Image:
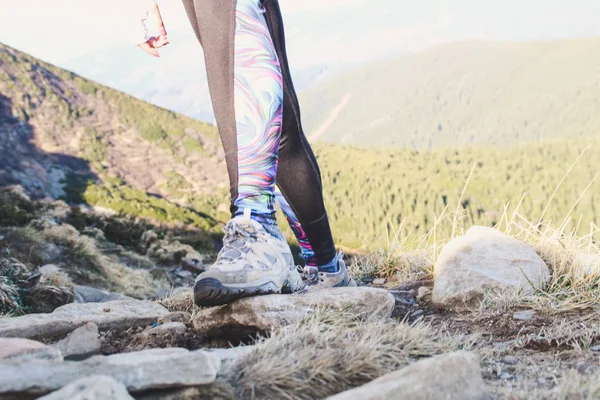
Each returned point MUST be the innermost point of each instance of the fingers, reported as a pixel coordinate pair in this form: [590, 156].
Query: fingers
[159, 42]
[149, 49]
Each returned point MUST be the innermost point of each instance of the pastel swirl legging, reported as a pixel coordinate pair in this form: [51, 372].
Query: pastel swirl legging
[264, 144]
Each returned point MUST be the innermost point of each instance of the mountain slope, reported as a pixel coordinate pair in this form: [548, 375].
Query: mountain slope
[467, 93]
[65, 136]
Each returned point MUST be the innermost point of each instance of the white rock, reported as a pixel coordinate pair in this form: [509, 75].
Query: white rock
[138, 371]
[83, 342]
[15, 349]
[263, 313]
[112, 315]
[485, 259]
[95, 387]
[454, 376]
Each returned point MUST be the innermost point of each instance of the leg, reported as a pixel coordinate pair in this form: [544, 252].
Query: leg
[255, 258]
[298, 176]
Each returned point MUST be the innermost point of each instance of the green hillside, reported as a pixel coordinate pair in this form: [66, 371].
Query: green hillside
[463, 94]
[66, 137]
[368, 191]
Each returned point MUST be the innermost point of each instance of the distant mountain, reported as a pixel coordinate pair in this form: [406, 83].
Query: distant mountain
[461, 94]
[177, 81]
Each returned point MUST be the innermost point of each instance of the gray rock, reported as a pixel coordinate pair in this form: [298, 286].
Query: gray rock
[379, 281]
[193, 262]
[50, 253]
[112, 315]
[454, 376]
[524, 315]
[404, 298]
[231, 354]
[82, 343]
[138, 371]
[263, 313]
[16, 349]
[86, 294]
[485, 260]
[97, 387]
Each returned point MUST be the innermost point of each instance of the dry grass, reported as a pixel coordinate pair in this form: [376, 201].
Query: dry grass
[180, 300]
[9, 294]
[331, 352]
[572, 256]
[137, 283]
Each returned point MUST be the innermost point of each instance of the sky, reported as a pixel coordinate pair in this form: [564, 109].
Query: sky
[93, 38]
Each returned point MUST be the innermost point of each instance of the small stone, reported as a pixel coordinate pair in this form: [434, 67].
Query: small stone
[404, 298]
[82, 343]
[595, 348]
[95, 387]
[27, 350]
[379, 282]
[454, 376]
[260, 314]
[510, 360]
[505, 376]
[525, 315]
[86, 294]
[424, 294]
[485, 260]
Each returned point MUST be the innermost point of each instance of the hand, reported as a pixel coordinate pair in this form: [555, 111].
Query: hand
[154, 43]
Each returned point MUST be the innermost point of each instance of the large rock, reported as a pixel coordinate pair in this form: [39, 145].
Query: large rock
[14, 349]
[262, 313]
[483, 260]
[138, 371]
[82, 343]
[96, 387]
[454, 376]
[118, 315]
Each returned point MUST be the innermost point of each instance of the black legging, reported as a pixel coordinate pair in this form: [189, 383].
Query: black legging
[298, 176]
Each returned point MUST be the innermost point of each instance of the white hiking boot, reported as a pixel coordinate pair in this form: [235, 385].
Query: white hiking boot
[252, 262]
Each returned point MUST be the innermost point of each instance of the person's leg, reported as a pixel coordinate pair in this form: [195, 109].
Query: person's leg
[247, 96]
[298, 175]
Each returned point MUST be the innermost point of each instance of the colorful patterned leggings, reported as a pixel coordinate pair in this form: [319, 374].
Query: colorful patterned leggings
[258, 116]
[258, 96]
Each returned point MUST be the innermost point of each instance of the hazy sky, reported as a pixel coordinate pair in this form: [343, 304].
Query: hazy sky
[332, 30]
[92, 38]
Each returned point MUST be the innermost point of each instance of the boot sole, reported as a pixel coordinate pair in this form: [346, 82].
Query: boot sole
[211, 292]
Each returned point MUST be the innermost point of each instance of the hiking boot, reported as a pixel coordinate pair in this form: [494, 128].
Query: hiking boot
[252, 262]
[318, 280]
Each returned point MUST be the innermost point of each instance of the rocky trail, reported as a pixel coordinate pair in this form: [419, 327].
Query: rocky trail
[497, 317]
